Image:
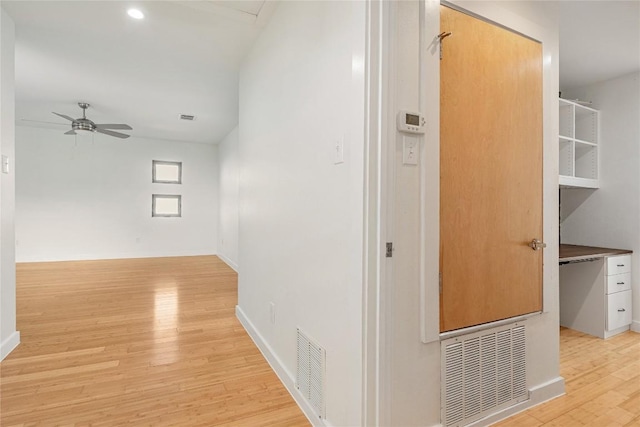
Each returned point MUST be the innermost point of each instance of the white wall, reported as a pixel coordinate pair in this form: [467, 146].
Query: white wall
[228, 181]
[413, 389]
[610, 215]
[9, 337]
[301, 215]
[89, 197]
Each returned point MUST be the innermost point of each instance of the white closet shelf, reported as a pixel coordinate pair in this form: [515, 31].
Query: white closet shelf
[575, 182]
[578, 146]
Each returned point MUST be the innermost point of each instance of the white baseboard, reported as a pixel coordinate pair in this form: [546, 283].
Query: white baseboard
[547, 391]
[635, 326]
[230, 263]
[9, 344]
[537, 395]
[278, 367]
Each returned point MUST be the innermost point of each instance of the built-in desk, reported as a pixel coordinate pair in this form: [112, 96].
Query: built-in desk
[570, 253]
[595, 289]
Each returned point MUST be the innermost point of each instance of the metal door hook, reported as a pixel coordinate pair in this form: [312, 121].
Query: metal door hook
[441, 37]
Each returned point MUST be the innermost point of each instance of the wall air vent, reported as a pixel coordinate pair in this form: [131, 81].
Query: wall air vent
[483, 373]
[310, 373]
[187, 117]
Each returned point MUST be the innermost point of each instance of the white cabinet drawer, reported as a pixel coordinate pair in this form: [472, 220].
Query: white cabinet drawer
[618, 264]
[618, 283]
[618, 310]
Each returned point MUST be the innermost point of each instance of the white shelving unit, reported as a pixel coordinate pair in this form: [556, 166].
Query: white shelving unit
[578, 141]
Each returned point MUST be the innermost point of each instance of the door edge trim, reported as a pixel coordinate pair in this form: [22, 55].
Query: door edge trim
[485, 19]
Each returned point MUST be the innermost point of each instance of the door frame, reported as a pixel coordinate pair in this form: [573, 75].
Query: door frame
[459, 304]
[376, 268]
[503, 18]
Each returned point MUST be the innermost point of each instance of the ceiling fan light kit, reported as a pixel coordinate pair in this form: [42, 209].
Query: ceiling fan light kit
[86, 125]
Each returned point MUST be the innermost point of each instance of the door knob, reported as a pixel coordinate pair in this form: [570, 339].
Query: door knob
[536, 244]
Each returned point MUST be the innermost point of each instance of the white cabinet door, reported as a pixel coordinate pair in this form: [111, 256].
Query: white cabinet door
[618, 310]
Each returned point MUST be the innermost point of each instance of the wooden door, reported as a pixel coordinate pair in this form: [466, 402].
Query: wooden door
[491, 172]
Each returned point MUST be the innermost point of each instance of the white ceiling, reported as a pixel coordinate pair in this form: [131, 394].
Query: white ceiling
[183, 58]
[599, 40]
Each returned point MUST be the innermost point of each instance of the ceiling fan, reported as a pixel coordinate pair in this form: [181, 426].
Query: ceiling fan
[84, 124]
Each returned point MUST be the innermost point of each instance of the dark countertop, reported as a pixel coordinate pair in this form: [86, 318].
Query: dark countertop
[577, 252]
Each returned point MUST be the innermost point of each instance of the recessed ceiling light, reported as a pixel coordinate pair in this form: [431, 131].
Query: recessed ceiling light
[135, 13]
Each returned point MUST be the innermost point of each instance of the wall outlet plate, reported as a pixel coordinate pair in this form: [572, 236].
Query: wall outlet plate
[272, 312]
[338, 150]
[5, 164]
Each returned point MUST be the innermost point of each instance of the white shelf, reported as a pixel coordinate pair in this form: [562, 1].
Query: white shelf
[578, 146]
[573, 182]
[579, 141]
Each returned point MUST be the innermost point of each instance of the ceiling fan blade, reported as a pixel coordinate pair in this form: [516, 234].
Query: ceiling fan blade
[114, 126]
[43, 122]
[63, 116]
[71, 132]
[111, 133]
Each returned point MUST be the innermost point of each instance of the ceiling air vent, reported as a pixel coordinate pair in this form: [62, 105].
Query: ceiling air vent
[187, 117]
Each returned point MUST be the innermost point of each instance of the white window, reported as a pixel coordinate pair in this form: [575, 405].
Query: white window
[167, 205]
[166, 172]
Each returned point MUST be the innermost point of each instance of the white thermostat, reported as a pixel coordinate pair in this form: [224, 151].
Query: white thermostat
[410, 122]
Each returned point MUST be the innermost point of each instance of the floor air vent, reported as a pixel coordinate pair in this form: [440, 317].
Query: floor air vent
[310, 374]
[483, 373]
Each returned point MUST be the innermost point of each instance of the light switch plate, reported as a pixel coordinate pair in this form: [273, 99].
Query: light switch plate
[410, 150]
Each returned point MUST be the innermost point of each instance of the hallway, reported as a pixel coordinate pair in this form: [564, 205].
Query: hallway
[137, 342]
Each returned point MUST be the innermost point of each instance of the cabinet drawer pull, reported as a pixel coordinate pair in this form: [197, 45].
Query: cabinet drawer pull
[621, 310]
[620, 283]
[620, 265]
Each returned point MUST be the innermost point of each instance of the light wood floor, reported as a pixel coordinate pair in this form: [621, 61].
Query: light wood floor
[136, 342]
[602, 384]
[156, 342]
